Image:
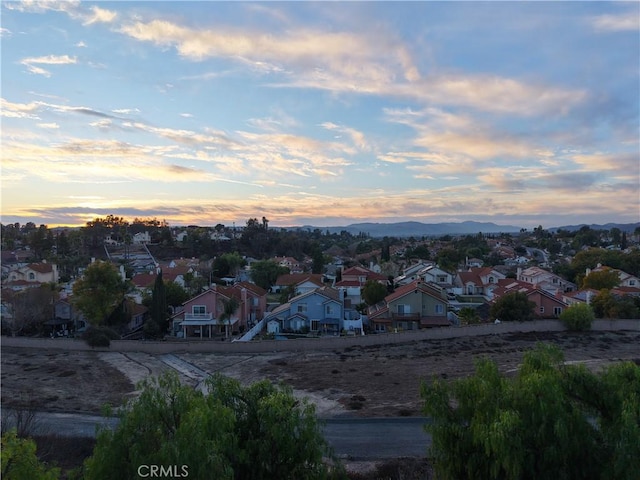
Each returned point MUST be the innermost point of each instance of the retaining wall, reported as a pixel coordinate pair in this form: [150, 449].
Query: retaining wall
[330, 343]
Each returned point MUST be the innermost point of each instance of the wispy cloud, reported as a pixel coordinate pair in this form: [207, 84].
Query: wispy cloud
[622, 22]
[100, 15]
[32, 63]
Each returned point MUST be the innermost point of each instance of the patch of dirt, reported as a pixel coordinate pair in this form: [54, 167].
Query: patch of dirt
[376, 381]
[60, 381]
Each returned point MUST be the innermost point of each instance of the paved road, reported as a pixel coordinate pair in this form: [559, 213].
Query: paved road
[354, 438]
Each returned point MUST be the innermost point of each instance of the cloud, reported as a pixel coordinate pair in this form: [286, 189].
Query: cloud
[622, 22]
[19, 110]
[32, 62]
[357, 137]
[100, 15]
[5, 32]
[51, 126]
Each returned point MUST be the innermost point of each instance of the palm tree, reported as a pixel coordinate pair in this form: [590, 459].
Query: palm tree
[229, 308]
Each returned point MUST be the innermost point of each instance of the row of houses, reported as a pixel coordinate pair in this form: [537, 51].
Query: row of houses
[423, 296]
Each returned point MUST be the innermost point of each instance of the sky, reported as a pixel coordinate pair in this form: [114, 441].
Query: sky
[320, 113]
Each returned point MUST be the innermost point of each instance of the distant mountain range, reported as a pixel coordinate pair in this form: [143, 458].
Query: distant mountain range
[418, 229]
[624, 227]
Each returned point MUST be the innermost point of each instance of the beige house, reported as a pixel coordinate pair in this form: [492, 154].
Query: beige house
[411, 307]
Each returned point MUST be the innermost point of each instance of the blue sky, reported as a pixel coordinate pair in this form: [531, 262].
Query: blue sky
[327, 113]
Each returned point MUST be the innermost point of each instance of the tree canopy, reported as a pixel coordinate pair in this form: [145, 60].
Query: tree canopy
[230, 432]
[513, 307]
[373, 292]
[19, 460]
[601, 279]
[264, 273]
[99, 291]
[550, 421]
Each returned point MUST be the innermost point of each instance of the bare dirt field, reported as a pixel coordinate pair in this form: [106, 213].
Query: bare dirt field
[371, 381]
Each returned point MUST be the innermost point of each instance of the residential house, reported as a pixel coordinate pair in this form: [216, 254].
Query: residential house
[579, 296]
[291, 263]
[200, 316]
[478, 281]
[32, 275]
[300, 282]
[412, 273]
[352, 281]
[138, 315]
[141, 238]
[626, 279]
[411, 307]
[545, 280]
[67, 317]
[474, 262]
[547, 305]
[318, 311]
[434, 274]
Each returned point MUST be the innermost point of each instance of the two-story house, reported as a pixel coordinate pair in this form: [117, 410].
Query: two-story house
[545, 280]
[478, 281]
[201, 316]
[411, 307]
[352, 281]
[434, 274]
[412, 272]
[626, 279]
[32, 275]
[318, 311]
[547, 305]
[300, 282]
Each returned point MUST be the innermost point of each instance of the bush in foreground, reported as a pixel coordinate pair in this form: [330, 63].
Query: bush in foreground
[550, 421]
[578, 317]
[232, 432]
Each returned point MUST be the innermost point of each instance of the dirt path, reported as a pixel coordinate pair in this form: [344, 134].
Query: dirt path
[359, 381]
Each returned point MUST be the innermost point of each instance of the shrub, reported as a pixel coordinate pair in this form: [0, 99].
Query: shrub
[99, 336]
[578, 317]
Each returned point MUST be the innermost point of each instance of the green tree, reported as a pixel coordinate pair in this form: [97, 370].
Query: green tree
[175, 294]
[19, 460]
[373, 292]
[578, 317]
[230, 432]
[469, 316]
[157, 326]
[550, 421]
[264, 273]
[99, 291]
[601, 279]
[317, 258]
[229, 308]
[513, 307]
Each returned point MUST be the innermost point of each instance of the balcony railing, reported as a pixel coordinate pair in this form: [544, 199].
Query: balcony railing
[406, 316]
[198, 316]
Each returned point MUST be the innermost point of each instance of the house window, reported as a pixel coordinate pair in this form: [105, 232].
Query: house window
[541, 309]
[554, 280]
[492, 280]
[328, 310]
[442, 279]
[439, 308]
[632, 283]
[557, 311]
[302, 308]
[32, 276]
[199, 309]
[404, 309]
